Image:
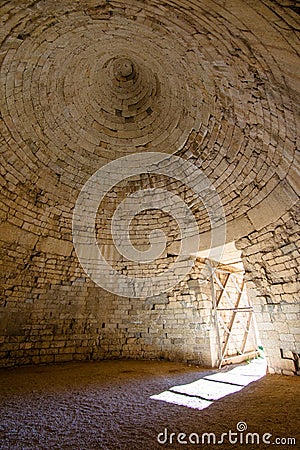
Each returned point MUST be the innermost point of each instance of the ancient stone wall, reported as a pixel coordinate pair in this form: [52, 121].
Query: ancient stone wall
[272, 259]
[76, 320]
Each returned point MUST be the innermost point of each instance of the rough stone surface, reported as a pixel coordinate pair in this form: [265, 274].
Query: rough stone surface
[80, 321]
[272, 259]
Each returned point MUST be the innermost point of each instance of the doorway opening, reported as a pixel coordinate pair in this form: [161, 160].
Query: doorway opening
[237, 339]
[234, 338]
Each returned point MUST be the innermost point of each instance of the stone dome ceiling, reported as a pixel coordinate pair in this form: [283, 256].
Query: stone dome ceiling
[85, 82]
[135, 134]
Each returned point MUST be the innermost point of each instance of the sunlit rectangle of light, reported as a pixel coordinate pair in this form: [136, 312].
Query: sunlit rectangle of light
[241, 380]
[208, 390]
[182, 400]
[242, 375]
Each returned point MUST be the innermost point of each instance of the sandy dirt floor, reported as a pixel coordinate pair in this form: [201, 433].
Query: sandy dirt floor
[107, 405]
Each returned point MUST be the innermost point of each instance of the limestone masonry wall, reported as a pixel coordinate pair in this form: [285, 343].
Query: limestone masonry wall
[46, 320]
[272, 259]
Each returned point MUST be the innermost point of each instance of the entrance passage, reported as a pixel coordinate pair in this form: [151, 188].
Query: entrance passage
[233, 314]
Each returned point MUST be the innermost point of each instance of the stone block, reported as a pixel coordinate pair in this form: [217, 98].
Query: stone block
[54, 246]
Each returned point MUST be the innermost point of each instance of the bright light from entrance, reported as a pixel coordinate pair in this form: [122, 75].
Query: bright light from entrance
[201, 393]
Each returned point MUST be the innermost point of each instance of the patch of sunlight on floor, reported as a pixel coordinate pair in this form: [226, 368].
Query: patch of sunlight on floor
[206, 389]
[201, 393]
[182, 400]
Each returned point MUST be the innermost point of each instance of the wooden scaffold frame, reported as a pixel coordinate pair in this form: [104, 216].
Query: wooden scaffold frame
[223, 304]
